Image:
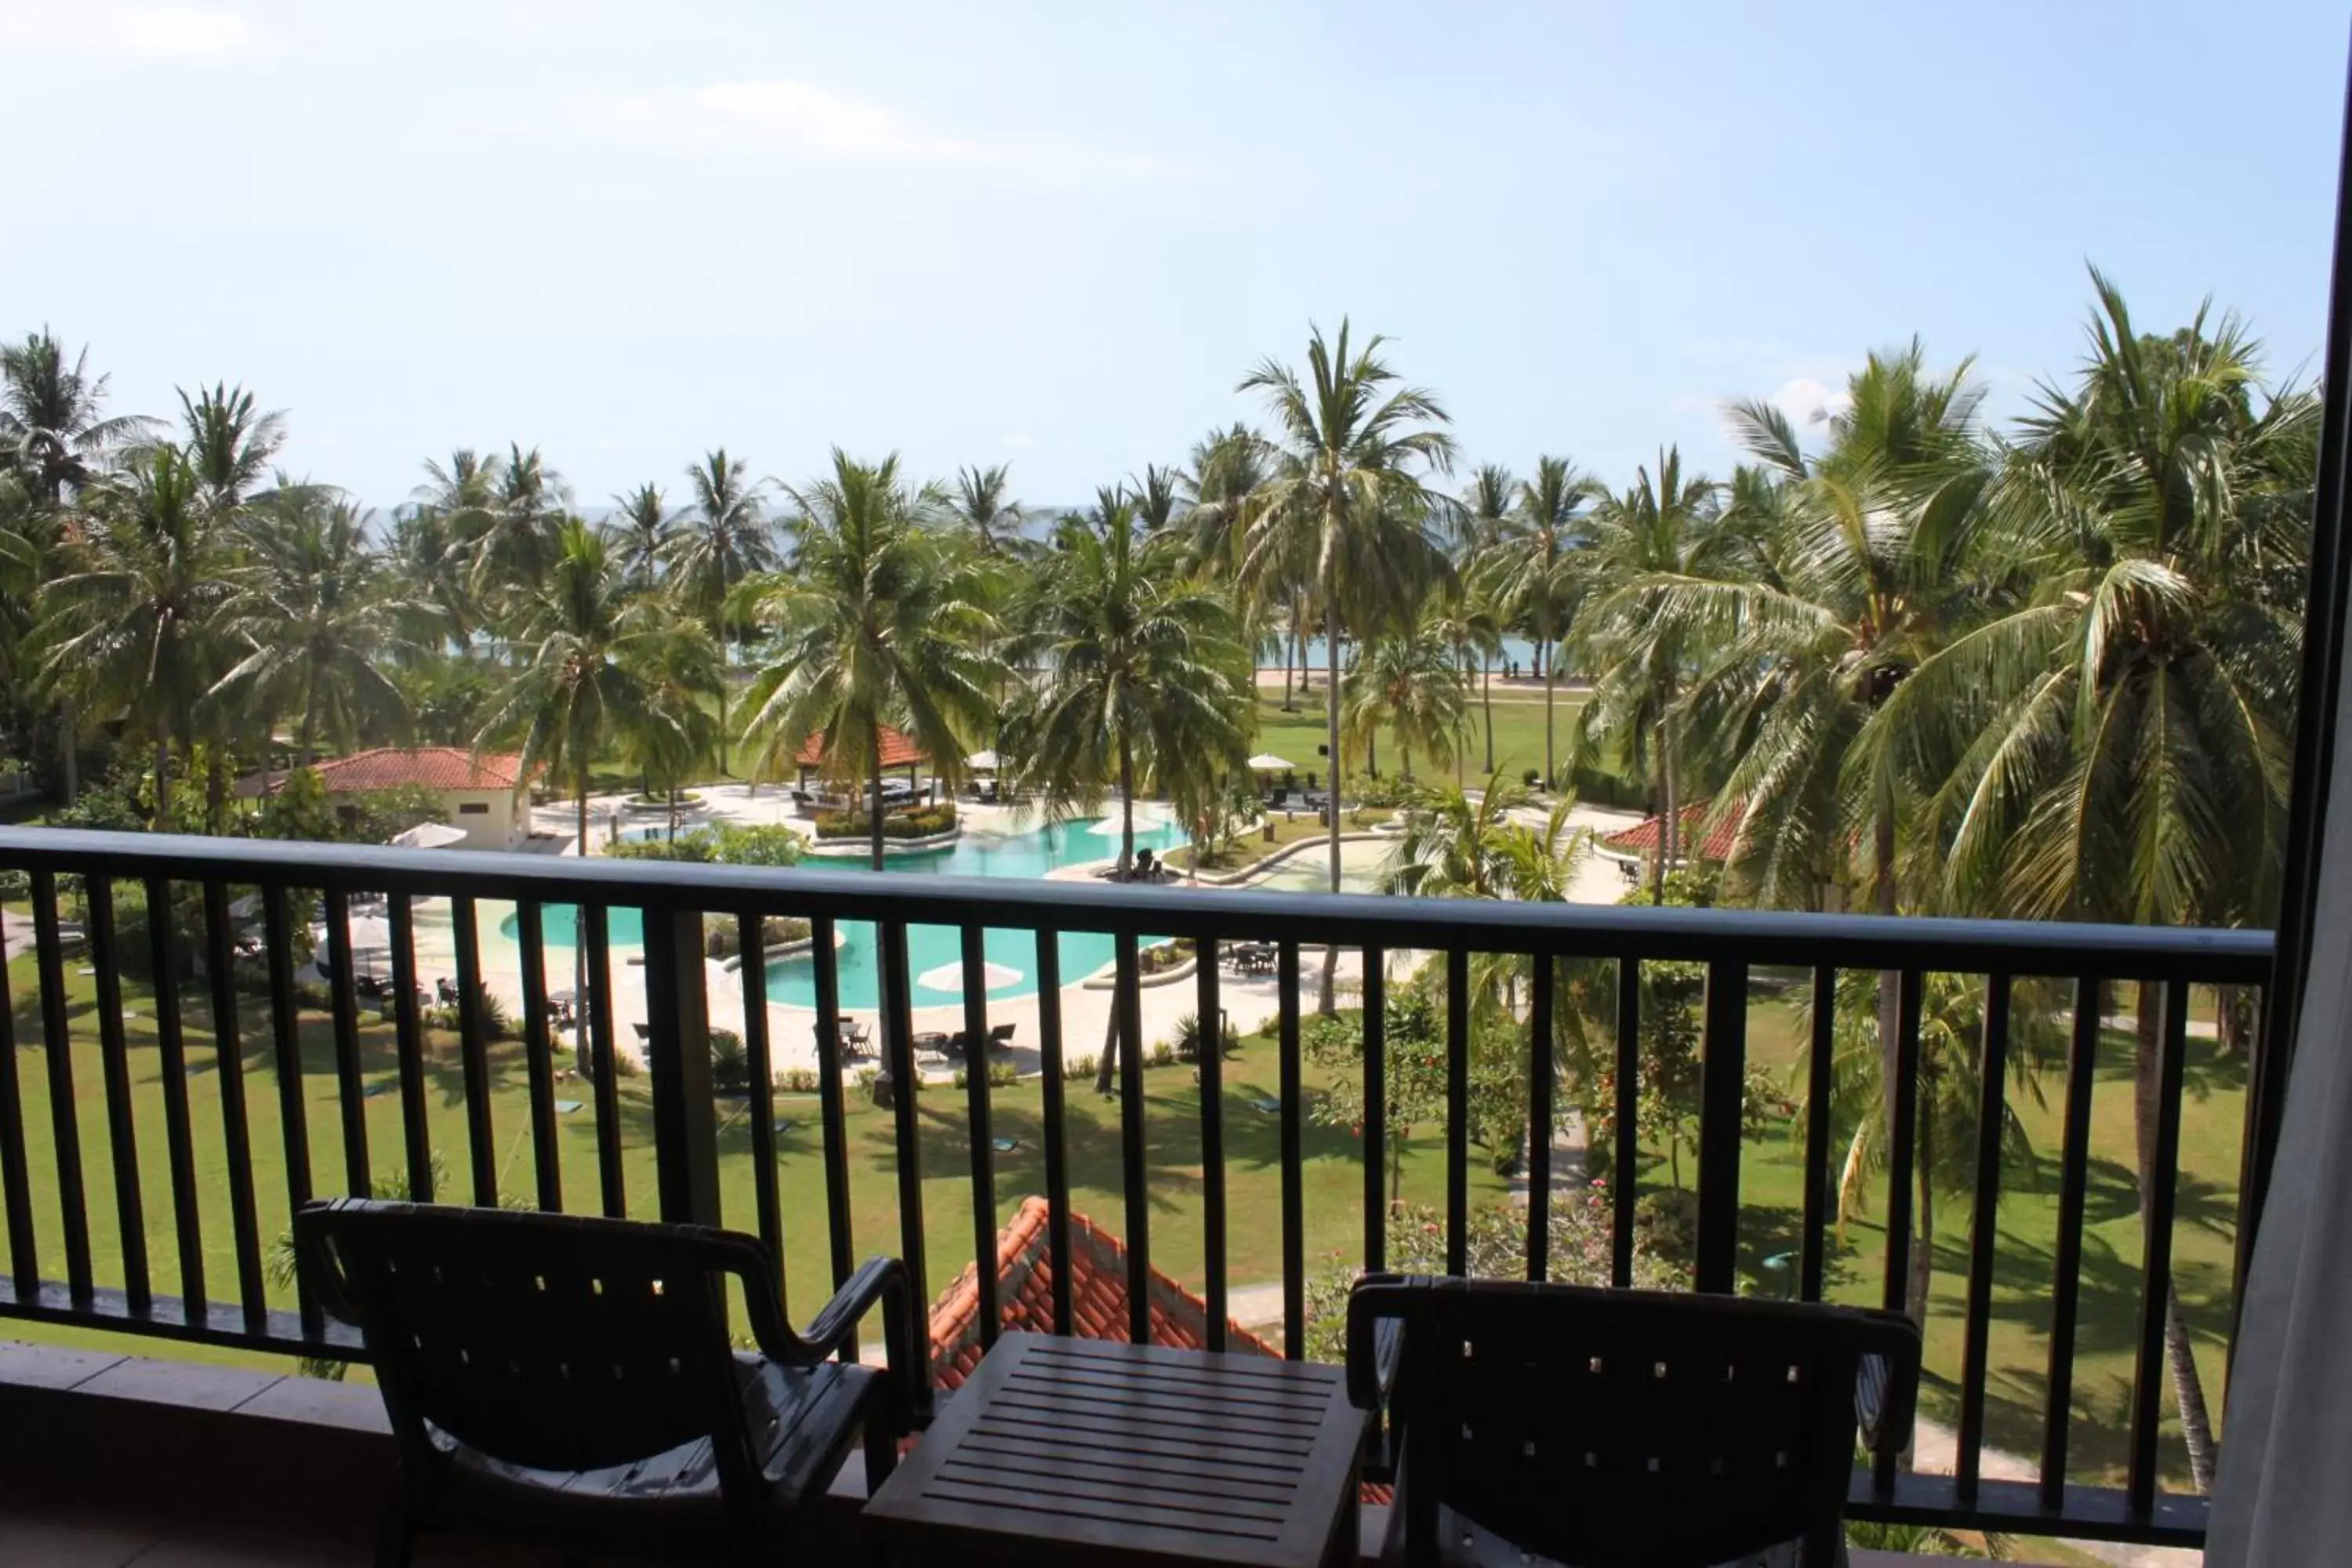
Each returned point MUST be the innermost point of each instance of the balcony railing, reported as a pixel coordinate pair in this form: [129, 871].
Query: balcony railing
[231, 880]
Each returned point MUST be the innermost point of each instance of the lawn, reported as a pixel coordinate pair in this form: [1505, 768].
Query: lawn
[1518, 735]
[1772, 1182]
[1290, 828]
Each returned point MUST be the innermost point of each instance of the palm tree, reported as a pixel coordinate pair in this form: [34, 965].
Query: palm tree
[314, 616]
[583, 641]
[1411, 684]
[435, 535]
[681, 666]
[52, 424]
[1454, 847]
[56, 436]
[1347, 461]
[1658, 528]
[229, 442]
[1465, 617]
[879, 623]
[982, 504]
[135, 625]
[2116, 740]
[726, 540]
[1478, 522]
[1536, 571]
[1144, 673]
[517, 536]
[645, 524]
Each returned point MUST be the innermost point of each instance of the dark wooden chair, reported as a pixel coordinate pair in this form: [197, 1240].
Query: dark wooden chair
[573, 1382]
[1601, 1427]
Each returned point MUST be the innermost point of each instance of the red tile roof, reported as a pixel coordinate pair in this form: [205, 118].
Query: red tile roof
[1642, 838]
[1024, 1274]
[388, 767]
[897, 750]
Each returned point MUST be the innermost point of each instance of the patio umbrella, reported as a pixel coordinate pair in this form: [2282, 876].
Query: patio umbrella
[430, 836]
[949, 976]
[1267, 762]
[981, 762]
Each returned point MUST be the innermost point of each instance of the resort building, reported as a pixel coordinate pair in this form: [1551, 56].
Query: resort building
[481, 793]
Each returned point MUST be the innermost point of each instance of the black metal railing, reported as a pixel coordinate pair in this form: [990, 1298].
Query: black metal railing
[223, 881]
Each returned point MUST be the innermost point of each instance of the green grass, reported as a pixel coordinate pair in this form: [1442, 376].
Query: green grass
[1332, 1171]
[1518, 735]
[1771, 1181]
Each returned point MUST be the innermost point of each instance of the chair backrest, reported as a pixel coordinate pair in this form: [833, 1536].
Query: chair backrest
[1600, 1427]
[547, 1342]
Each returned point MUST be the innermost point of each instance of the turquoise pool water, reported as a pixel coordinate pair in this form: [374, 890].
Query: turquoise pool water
[932, 948]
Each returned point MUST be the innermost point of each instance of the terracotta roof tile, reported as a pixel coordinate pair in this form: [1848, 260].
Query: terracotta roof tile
[1642, 838]
[1024, 1272]
[897, 750]
[389, 767]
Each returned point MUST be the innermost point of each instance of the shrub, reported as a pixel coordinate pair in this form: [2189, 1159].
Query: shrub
[1164, 1053]
[1188, 1038]
[1079, 1066]
[765, 844]
[922, 822]
[799, 1080]
[624, 1064]
[1001, 1075]
[1532, 778]
[730, 1065]
[699, 846]
[866, 1078]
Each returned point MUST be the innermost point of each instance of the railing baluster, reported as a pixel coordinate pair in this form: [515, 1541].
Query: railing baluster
[1627, 1152]
[1127, 997]
[1991, 1113]
[24, 1257]
[2156, 1259]
[1058, 1158]
[539, 1049]
[228, 1059]
[121, 1129]
[1294, 1193]
[833, 1108]
[677, 1048]
[65, 1119]
[1723, 1092]
[172, 1065]
[408, 1044]
[979, 1132]
[1376, 1110]
[1458, 1111]
[351, 1088]
[473, 1052]
[613, 1188]
[892, 990]
[293, 1114]
[1903, 1145]
[1821, 1058]
[1212, 1013]
[2073, 1189]
[751, 945]
[1541, 975]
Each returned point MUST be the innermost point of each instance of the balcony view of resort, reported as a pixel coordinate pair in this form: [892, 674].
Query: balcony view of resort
[1094, 767]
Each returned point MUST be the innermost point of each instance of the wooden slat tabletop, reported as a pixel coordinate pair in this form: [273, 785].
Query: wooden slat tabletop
[1092, 1451]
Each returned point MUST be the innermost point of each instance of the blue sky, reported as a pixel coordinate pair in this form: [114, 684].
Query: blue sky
[1057, 236]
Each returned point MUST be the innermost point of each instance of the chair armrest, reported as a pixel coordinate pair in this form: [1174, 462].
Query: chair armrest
[878, 1280]
[1376, 1308]
[1886, 1383]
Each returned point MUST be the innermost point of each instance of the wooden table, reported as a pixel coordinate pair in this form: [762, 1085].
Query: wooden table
[1088, 1451]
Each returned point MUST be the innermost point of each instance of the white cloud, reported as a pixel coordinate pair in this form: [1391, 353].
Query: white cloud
[182, 33]
[1019, 440]
[809, 122]
[1808, 401]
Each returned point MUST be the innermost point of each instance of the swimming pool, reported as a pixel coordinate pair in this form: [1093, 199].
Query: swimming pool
[934, 950]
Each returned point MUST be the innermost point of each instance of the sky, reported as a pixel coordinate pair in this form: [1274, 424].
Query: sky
[1057, 237]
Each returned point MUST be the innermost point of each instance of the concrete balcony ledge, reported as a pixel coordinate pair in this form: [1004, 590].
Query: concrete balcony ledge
[114, 1459]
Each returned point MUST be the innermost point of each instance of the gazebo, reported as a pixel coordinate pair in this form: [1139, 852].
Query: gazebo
[898, 750]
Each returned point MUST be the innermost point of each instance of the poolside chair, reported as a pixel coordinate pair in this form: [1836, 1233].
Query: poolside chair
[571, 1382]
[1590, 1427]
[999, 1038]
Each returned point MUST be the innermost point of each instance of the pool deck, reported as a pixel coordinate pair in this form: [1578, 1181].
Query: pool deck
[1085, 1013]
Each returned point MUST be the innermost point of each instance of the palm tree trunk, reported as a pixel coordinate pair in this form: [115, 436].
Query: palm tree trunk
[2187, 1384]
[1670, 809]
[1106, 1065]
[68, 760]
[163, 775]
[1551, 776]
[1923, 1253]
[305, 742]
[874, 801]
[1890, 1007]
[1289, 662]
[1326, 1002]
[1486, 699]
